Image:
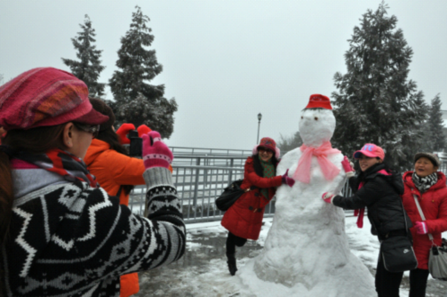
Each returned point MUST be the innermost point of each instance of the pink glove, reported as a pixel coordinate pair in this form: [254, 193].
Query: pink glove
[287, 180]
[123, 131]
[347, 167]
[421, 227]
[155, 152]
[143, 129]
[327, 197]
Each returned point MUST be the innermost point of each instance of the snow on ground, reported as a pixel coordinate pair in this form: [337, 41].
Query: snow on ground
[203, 270]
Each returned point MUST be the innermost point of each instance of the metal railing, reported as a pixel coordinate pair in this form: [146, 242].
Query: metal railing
[180, 150]
[199, 181]
[201, 174]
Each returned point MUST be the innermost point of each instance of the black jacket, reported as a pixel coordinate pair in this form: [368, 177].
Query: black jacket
[380, 194]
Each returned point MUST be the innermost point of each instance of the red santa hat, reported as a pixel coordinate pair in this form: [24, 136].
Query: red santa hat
[319, 101]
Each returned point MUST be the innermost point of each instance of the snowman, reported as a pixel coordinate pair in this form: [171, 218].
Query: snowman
[307, 249]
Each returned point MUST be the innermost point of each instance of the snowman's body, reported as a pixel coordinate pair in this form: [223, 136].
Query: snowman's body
[307, 245]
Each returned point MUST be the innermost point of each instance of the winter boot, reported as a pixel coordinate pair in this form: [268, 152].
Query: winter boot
[232, 264]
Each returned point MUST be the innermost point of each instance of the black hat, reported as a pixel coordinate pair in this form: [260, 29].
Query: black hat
[100, 106]
[432, 157]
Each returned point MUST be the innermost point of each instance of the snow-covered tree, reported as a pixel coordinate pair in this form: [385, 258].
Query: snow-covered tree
[288, 143]
[138, 101]
[435, 137]
[375, 101]
[156, 114]
[89, 67]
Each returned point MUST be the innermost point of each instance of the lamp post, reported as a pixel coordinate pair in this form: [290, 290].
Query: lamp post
[259, 125]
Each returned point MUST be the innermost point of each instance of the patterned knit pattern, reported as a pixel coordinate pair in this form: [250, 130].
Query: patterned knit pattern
[424, 183]
[269, 171]
[69, 239]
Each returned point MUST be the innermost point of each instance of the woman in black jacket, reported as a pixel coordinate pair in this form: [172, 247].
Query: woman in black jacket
[377, 188]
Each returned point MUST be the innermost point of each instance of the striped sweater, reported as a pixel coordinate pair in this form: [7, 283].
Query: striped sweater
[68, 239]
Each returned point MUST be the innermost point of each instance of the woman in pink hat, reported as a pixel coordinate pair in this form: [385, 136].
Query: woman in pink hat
[61, 234]
[378, 189]
[243, 219]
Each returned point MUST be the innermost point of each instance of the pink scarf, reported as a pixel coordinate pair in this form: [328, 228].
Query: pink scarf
[302, 172]
[360, 212]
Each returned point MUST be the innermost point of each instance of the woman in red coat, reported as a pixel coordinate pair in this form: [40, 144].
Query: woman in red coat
[429, 187]
[243, 219]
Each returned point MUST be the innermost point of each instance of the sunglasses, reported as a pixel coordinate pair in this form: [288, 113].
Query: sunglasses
[94, 129]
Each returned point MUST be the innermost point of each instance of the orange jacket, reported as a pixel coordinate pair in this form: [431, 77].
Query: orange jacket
[112, 170]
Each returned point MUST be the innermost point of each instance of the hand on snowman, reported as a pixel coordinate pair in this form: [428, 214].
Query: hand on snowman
[347, 167]
[327, 197]
[287, 180]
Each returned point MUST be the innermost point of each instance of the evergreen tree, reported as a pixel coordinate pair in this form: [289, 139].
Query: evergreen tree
[89, 67]
[138, 101]
[289, 143]
[436, 139]
[375, 102]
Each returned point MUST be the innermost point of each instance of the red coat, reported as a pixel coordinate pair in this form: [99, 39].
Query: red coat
[244, 217]
[434, 205]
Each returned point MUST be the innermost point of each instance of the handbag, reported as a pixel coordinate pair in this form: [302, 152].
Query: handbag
[437, 259]
[397, 251]
[230, 194]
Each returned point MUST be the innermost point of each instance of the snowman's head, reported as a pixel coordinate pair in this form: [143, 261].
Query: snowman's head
[316, 125]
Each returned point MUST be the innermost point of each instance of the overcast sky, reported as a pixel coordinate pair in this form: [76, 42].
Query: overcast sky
[226, 61]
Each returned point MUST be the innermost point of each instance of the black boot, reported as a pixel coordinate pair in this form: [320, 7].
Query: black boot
[232, 264]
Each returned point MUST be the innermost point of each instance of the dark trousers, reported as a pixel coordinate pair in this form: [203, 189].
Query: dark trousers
[418, 282]
[232, 242]
[387, 283]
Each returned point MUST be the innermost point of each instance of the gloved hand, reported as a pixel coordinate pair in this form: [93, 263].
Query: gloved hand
[123, 131]
[155, 152]
[287, 180]
[347, 167]
[143, 129]
[327, 197]
[421, 227]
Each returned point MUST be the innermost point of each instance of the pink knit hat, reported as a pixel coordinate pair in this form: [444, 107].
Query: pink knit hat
[370, 150]
[45, 97]
[269, 144]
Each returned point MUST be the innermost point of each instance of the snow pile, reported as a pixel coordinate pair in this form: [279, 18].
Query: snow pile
[203, 271]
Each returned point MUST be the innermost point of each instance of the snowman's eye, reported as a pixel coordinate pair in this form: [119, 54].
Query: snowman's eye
[301, 117]
[316, 118]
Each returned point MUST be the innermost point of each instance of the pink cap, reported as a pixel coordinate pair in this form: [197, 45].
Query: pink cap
[370, 150]
[45, 97]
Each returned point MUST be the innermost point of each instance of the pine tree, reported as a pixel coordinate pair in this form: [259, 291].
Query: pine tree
[89, 67]
[138, 101]
[375, 102]
[289, 143]
[435, 136]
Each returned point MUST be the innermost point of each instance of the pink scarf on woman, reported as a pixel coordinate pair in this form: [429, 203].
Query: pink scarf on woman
[302, 172]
